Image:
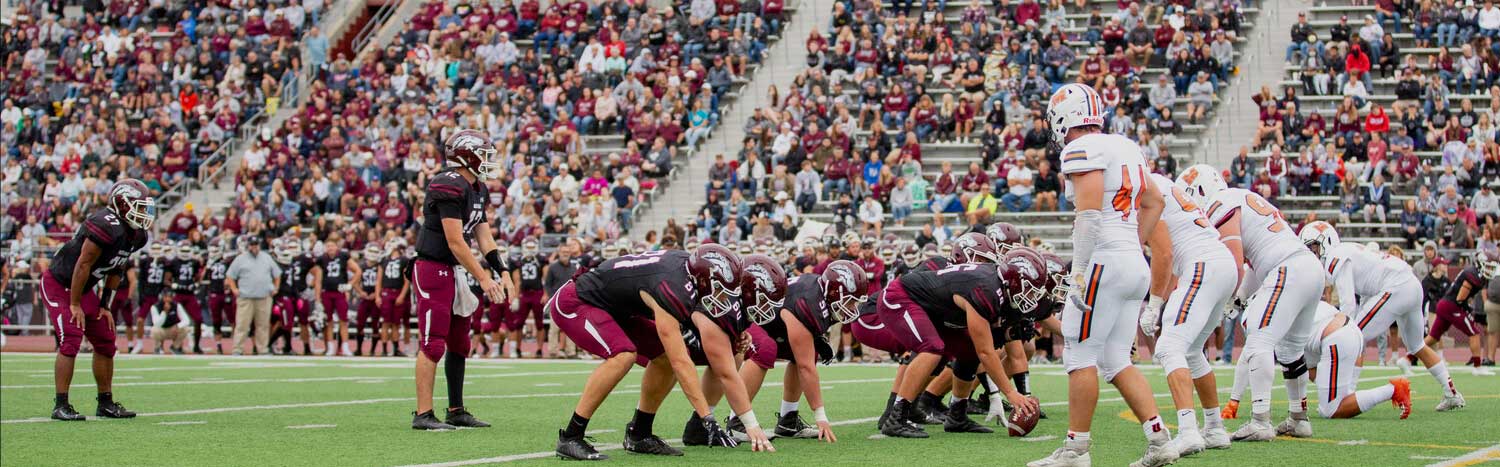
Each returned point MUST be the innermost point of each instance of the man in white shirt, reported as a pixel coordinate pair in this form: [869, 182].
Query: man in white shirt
[1489, 20]
[871, 214]
[1019, 180]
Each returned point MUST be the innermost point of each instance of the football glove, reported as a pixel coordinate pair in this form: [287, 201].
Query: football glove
[1236, 306]
[718, 436]
[1151, 316]
[996, 413]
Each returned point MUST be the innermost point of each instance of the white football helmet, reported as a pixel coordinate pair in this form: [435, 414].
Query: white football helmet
[1201, 182]
[1321, 234]
[1073, 105]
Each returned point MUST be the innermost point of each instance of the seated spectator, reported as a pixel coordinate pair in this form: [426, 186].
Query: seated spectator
[1047, 185]
[980, 207]
[1018, 197]
[871, 215]
[1377, 199]
[901, 202]
[1351, 198]
[945, 190]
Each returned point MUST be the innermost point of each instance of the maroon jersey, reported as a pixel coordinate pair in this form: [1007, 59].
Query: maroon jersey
[1469, 275]
[804, 300]
[449, 196]
[115, 240]
[616, 284]
[335, 271]
[529, 268]
[979, 284]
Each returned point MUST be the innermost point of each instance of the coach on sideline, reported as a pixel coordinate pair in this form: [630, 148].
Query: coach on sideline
[253, 277]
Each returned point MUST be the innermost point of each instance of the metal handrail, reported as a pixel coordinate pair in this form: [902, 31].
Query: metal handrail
[376, 21]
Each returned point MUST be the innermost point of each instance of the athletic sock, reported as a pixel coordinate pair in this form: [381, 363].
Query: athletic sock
[984, 383]
[889, 401]
[1296, 393]
[1022, 381]
[788, 407]
[641, 424]
[1369, 398]
[1440, 373]
[1474, 362]
[1412, 359]
[453, 369]
[1261, 377]
[1156, 431]
[61, 400]
[576, 426]
[1212, 419]
[1077, 441]
[106, 397]
[1187, 420]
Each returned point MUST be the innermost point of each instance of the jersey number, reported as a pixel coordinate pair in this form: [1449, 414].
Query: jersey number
[1260, 206]
[958, 267]
[630, 261]
[1189, 206]
[1125, 199]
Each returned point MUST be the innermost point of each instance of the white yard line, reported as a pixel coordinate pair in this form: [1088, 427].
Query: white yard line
[310, 427]
[187, 422]
[1477, 457]
[198, 381]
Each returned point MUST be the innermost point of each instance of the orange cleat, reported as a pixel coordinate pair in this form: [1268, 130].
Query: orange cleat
[1231, 410]
[1402, 397]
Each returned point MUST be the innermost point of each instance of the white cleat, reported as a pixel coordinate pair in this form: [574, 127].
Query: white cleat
[1453, 402]
[1482, 371]
[328, 351]
[345, 351]
[1404, 365]
[1295, 428]
[137, 349]
[1063, 457]
[1216, 438]
[1255, 430]
[1187, 443]
[1157, 455]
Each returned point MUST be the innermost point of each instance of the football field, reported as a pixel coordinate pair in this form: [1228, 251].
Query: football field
[357, 411]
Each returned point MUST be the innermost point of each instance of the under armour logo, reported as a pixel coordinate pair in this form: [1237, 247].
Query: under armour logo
[443, 273]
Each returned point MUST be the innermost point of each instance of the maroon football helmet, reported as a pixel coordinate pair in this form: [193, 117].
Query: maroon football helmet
[1024, 274]
[1057, 270]
[716, 275]
[844, 288]
[130, 200]
[762, 287]
[1005, 235]
[472, 150]
[911, 255]
[973, 247]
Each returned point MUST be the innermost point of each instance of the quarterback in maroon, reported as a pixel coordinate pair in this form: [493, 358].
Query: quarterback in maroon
[452, 215]
[100, 250]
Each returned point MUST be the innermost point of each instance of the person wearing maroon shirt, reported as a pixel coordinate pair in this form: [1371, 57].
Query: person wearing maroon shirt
[944, 189]
[549, 30]
[974, 182]
[1092, 69]
[529, 12]
[182, 223]
[1114, 35]
[836, 176]
[895, 106]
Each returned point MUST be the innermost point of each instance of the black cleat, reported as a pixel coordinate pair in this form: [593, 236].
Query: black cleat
[791, 425]
[66, 413]
[460, 417]
[428, 421]
[577, 449]
[959, 422]
[923, 416]
[112, 409]
[648, 444]
[980, 406]
[693, 434]
[896, 427]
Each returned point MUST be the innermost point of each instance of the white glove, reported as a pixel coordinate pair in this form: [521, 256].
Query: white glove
[997, 410]
[1075, 291]
[1233, 310]
[1151, 316]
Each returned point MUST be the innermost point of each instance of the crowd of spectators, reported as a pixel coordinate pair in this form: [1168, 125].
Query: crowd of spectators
[138, 89]
[885, 83]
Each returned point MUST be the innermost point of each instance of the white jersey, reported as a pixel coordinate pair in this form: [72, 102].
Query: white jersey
[1326, 313]
[1370, 273]
[1265, 236]
[1124, 170]
[1193, 239]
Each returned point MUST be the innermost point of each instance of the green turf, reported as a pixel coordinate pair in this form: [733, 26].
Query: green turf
[370, 402]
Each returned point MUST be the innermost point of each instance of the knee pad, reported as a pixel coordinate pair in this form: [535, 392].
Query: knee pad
[1294, 369]
[1198, 365]
[938, 369]
[435, 348]
[964, 370]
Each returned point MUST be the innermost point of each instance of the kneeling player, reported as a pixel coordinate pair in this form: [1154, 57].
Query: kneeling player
[950, 313]
[651, 308]
[793, 325]
[1336, 343]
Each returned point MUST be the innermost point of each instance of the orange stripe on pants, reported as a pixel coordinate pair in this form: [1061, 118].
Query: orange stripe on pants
[1275, 296]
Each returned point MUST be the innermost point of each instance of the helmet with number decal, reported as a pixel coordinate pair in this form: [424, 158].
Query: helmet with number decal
[1201, 182]
[1024, 274]
[1005, 235]
[471, 149]
[974, 247]
[1073, 105]
[844, 288]
[1057, 270]
[716, 274]
[129, 199]
[1320, 234]
[762, 287]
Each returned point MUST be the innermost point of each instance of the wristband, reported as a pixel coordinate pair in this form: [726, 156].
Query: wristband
[1228, 238]
[820, 415]
[748, 418]
[493, 258]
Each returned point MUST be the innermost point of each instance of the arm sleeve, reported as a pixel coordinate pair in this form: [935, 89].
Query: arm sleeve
[1085, 231]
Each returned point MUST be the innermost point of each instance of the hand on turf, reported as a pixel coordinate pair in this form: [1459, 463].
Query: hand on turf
[1023, 405]
[717, 436]
[77, 315]
[997, 410]
[825, 433]
[759, 442]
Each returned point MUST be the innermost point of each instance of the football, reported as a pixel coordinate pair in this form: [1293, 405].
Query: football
[1019, 426]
